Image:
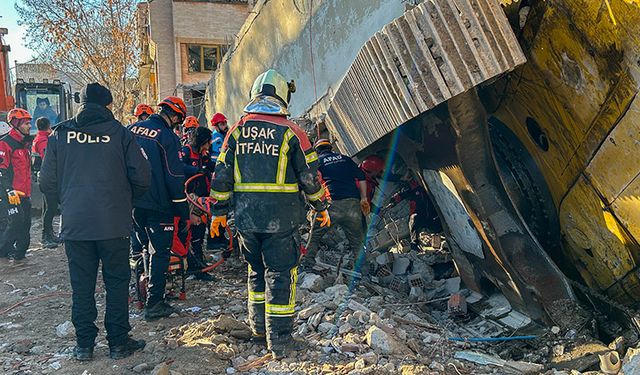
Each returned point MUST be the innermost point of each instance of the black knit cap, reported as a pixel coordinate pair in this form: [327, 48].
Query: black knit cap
[97, 94]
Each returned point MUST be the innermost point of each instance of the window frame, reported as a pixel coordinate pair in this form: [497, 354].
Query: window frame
[218, 56]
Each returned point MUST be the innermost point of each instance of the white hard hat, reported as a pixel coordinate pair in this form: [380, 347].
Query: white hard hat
[4, 128]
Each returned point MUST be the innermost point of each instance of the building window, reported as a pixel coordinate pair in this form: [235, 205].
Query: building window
[202, 58]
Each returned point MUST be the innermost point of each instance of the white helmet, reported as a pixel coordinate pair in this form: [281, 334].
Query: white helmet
[4, 128]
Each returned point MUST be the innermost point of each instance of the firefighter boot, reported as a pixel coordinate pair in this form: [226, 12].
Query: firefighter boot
[284, 345]
[129, 347]
[159, 310]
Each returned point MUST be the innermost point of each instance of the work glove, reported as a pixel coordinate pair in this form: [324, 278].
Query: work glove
[324, 218]
[14, 196]
[365, 207]
[216, 222]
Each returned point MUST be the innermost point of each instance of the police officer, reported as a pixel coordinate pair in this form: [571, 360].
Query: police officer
[93, 168]
[155, 211]
[265, 161]
[15, 186]
[347, 188]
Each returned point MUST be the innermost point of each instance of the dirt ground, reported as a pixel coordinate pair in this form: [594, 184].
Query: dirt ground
[36, 300]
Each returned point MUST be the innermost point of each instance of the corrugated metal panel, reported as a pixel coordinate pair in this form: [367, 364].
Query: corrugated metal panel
[435, 51]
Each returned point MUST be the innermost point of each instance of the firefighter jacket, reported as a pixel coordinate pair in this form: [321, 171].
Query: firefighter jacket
[161, 146]
[265, 161]
[195, 163]
[94, 168]
[15, 163]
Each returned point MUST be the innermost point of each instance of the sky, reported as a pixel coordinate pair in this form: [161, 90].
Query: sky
[9, 19]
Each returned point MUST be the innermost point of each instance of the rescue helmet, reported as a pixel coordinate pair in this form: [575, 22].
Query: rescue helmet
[143, 109]
[190, 122]
[218, 117]
[272, 83]
[322, 143]
[175, 104]
[17, 114]
[372, 164]
[4, 128]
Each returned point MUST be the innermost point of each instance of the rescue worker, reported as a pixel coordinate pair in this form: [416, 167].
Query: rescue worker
[155, 210]
[188, 126]
[196, 159]
[423, 214]
[265, 161]
[15, 186]
[347, 188]
[219, 127]
[143, 111]
[373, 168]
[49, 239]
[96, 205]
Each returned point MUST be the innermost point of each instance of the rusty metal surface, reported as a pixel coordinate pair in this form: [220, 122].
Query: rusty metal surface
[432, 53]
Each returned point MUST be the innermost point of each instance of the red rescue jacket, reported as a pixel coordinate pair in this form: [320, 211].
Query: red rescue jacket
[15, 162]
[40, 143]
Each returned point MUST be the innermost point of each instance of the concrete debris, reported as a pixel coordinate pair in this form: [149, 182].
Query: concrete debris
[65, 329]
[457, 305]
[631, 362]
[485, 359]
[143, 367]
[383, 342]
[310, 311]
[161, 369]
[312, 282]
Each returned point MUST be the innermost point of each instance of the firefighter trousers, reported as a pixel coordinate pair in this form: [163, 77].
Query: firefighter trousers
[273, 273]
[15, 237]
[159, 229]
[84, 258]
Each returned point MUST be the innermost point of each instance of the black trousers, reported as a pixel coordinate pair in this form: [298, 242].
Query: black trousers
[84, 258]
[196, 260]
[273, 273]
[49, 212]
[139, 240]
[159, 229]
[15, 237]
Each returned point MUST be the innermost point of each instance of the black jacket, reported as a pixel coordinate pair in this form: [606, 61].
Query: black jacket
[162, 147]
[94, 168]
[266, 162]
[340, 175]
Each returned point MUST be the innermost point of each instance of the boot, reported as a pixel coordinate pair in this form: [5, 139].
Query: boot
[159, 310]
[83, 354]
[284, 348]
[48, 240]
[129, 347]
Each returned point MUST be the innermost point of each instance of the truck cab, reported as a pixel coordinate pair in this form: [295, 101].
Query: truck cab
[43, 99]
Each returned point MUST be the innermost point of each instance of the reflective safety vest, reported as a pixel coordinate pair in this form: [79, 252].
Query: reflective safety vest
[265, 171]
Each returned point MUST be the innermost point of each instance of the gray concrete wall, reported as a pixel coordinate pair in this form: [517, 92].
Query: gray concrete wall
[276, 36]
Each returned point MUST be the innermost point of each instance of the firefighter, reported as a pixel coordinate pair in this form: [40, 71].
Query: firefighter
[219, 127]
[265, 161]
[143, 111]
[188, 126]
[15, 186]
[94, 168]
[196, 159]
[154, 212]
[346, 184]
[49, 239]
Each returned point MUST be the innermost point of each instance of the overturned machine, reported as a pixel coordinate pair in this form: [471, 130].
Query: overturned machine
[521, 118]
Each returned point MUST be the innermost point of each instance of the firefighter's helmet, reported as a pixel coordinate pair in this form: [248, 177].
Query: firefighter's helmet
[143, 109]
[190, 122]
[17, 114]
[272, 83]
[218, 117]
[322, 142]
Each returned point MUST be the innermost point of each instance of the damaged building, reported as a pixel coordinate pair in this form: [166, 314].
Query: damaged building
[519, 117]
